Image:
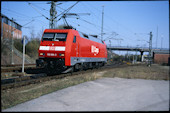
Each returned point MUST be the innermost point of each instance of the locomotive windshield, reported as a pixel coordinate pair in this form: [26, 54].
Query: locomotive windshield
[54, 37]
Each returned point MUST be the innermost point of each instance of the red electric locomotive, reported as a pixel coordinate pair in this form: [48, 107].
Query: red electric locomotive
[63, 48]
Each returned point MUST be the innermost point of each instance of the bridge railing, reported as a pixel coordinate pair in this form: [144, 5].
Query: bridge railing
[132, 47]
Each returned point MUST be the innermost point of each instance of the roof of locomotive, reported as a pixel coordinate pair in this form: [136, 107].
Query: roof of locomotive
[57, 30]
[83, 35]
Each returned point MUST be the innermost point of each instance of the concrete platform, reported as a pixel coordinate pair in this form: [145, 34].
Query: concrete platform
[106, 94]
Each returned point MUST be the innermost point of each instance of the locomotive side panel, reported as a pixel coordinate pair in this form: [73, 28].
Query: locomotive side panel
[91, 49]
[88, 51]
[71, 46]
[68, 48]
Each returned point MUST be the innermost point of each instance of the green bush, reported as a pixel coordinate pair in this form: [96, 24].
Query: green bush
[18, 44]
[32, 48]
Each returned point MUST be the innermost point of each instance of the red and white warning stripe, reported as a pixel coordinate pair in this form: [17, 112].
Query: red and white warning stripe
[52, 48]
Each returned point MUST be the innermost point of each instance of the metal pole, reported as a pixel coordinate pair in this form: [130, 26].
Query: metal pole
[161, 41]
[102, 24]
[12, 59]
[23, 56]
[133, 60]
[157, 37]
[136, 53]
[110, 43]
[110, 51]
[150, 49]
[52, 15]
[136, 56]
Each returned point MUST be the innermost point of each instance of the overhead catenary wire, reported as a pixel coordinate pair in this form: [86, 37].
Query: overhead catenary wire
[94, 16]
[96, 19]
[112, 20]
[84, 27]
[41, 8]
[38, 11]
[23, 16]
[86, 22]
[65, 11]
[19, 14]
[39, 3]
[97, 26]
[107, 28]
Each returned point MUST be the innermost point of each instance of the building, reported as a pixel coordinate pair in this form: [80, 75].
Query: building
[161, 57]
[8, 27]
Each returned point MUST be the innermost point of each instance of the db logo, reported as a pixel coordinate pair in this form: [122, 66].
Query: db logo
[52, 48]
[94, 50]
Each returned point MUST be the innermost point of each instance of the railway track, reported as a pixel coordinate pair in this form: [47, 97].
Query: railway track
[16, 67]
[42, 77]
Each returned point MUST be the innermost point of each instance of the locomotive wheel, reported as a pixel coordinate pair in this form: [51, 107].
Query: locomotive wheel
[77, 67]
[90, 65]
[97, 65]
[85, 66]
[81, 67]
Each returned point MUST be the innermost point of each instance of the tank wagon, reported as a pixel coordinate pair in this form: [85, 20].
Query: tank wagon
[61, 49]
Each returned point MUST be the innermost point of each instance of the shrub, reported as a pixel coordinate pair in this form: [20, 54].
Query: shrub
[32, 48]
[18, 44]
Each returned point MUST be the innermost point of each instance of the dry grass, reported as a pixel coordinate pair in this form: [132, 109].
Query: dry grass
[155, 72]
[15, 96]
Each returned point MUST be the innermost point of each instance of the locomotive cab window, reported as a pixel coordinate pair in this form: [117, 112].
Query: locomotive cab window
[48, 37]
[60, 37]
[74, 40]
[54, 37]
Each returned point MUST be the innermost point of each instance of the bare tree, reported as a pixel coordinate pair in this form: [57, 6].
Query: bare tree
[32, 33]
[60, 26]
[5, 41]
[40, 33]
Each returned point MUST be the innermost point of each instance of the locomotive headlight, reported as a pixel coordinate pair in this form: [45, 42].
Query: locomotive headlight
[42, 53]
[61, 54]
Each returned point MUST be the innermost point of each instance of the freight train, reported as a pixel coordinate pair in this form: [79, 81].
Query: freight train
[61, 49]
